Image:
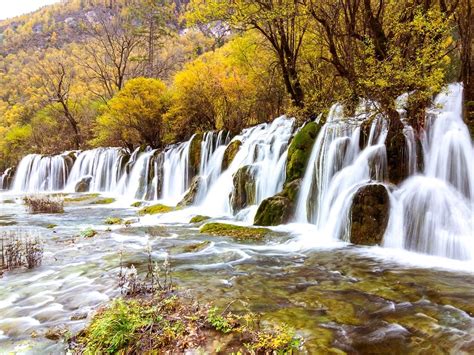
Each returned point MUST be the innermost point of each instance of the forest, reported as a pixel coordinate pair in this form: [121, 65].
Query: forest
[237, 177]
[83, 74]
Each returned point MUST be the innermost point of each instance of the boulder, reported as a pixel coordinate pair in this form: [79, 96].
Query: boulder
[395, 143]
[230, 153]
[369, 215]
[300, 150]
[243, 192]
[278, 209]
[190, 196]
[83, 185]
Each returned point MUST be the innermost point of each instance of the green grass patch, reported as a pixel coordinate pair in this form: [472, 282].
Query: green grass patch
[88, 233]
[137, 204]
[237, 232]
[51, 226]
[103, 201]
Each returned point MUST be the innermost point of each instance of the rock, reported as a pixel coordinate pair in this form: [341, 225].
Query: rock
[113, 220]
[369, 215]
[83, 185]
[190, 196]
[230, 153]
[195, 155]
[300, 150]
[155, 209]
[396, 147]
[199, 219]
[278, 209]
[243, 192]
[236, 232]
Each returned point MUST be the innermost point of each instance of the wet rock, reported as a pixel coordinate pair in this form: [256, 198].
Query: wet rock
[278, 209]
[369, 215]
[195, 155]
[397, 155]
[243, 193]
[83, 185]
[199, 219]
[230, 153]
[79, 316]
[155, 209]
[236, 232]
[300, 150]
[190, 196]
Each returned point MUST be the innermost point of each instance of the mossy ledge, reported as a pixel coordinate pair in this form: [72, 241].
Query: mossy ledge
[155, 209]
[236, 232]
[199, 219]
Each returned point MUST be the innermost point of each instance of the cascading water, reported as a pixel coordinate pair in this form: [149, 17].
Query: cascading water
[433, 213]
[263, 150]
[37, 173]
[337, 168]
[5, 178]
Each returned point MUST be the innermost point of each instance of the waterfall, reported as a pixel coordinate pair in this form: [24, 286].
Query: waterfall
[432, 213]
[213, 147]
[101, 165]
[337, 168]
[263, 149]
[176, 175]
[37, 173]
[5, 179]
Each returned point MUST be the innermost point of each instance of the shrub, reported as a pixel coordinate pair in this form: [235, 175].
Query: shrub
[20, 250]
[44, 204]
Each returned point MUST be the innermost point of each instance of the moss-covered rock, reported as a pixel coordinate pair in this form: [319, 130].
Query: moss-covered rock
[83, 185]
[278, 209]
[244, 190]
[82, 198]
[236, 232]
[396, 147]
[155, 209]
[113, 220]
[369, 215]
[199, 219]
[230, 153]
[137, 204]
[103, 201]
[195, 154]
[300, 150]
[190, 196]
[194, 248]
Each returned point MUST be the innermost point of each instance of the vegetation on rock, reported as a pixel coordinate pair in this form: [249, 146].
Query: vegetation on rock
[244, 188]
[20, 249]
[199, 219]
[369, 215]
[155, 209]
[114, 220]
[230, 153]
[44, 204]
[234, 231]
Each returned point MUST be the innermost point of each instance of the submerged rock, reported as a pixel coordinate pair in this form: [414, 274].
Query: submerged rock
[243, 193]
[230, 153]
[190, 196]
[278, 209]
[237, 232]
[83, 185]
[369, 215]
[300, 151]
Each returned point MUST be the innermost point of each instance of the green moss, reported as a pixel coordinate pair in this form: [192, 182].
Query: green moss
[137, 204]
[194, 248]
[199, 219]
[300, 150]
[88, 233]
[237, 232]
[8, 201]
[81, 198]
[155, 209]
[114, 220]
[230, 153]
[103, 201]
[51, 226]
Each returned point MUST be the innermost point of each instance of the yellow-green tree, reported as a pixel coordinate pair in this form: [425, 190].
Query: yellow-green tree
[134, 116]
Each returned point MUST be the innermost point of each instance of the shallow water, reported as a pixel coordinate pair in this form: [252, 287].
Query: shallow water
[338, 297]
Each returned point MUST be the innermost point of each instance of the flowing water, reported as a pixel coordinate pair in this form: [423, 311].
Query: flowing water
[413, 293]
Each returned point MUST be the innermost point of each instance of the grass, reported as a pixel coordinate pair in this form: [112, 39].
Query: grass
[88, 233]
[237, 232]
[44, 204]
[155, 209]
[20, 249]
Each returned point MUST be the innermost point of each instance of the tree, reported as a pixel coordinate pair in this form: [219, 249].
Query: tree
[134, 116]
[283, 23]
